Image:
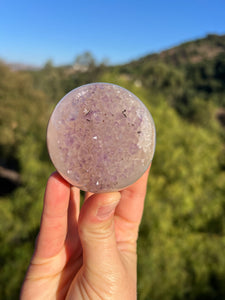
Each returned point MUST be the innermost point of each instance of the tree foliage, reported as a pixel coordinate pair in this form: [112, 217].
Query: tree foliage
[182, 235]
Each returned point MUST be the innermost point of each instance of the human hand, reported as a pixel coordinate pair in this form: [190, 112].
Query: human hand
[88, 254]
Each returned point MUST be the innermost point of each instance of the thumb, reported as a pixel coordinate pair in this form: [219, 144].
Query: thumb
[96, 230]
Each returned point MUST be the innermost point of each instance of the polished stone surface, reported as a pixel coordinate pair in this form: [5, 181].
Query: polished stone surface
[101, 137]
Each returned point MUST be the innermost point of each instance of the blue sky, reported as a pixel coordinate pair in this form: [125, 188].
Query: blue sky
[34, 31]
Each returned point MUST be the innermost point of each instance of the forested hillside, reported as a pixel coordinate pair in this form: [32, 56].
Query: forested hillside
[182, 236]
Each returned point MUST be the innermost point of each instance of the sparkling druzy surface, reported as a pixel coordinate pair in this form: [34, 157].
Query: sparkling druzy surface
[101, 137]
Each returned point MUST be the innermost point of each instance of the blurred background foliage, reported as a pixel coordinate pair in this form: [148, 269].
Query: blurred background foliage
[181, 248]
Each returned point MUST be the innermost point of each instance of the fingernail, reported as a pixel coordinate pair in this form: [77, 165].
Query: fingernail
[104, 212]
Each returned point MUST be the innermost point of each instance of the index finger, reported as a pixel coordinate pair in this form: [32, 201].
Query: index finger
[53, 227]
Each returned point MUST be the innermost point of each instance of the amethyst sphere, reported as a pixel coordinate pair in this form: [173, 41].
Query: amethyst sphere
[101, 137]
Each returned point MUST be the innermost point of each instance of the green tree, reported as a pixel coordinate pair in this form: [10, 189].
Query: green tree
[86, 60]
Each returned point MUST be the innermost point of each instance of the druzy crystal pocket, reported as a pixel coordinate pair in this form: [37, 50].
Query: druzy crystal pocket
[101, 137]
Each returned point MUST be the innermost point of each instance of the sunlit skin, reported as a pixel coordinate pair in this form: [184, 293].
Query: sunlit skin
[88, 253]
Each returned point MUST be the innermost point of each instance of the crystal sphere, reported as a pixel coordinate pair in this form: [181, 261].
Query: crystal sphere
[101, 137]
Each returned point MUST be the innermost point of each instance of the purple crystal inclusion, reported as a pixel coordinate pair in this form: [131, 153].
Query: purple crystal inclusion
[101, 137]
